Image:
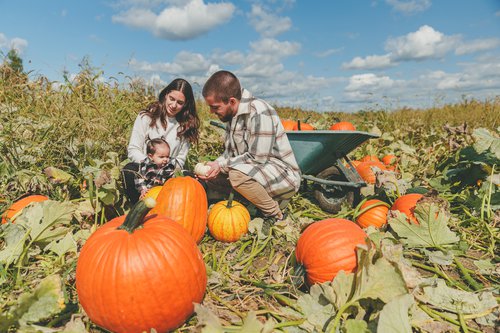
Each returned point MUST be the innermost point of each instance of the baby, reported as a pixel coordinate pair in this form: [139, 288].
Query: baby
[155, 169]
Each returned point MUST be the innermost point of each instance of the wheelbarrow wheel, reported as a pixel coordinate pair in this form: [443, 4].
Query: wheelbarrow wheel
[331, 198]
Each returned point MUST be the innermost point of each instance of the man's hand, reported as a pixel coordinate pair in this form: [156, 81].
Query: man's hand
[213, 172]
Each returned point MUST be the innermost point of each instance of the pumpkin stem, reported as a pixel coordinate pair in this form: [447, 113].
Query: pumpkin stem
[135, 218]
[230, 200]
[373, 205]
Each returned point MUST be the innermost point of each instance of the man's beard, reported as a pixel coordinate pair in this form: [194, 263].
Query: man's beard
[226, 118]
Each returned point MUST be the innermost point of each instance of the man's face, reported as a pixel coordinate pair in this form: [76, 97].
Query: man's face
[224, 111]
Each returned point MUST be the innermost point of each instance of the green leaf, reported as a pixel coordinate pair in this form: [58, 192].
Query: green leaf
[40, 218]
[379, 280]
[62, 246]
[207, 320]
[432, 231]
[46, 300]
[75, 325]
[255, 227]
[486, 141]
[394, 316]
[356, 326]
[15, 237]
[487, 267]
[251, 324]
[456, 301]
[341, 289]
[57, 176]
[439, 257]
[376, 278]
[316, 308]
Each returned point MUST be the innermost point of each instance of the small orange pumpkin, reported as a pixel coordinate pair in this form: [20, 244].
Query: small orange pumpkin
[372, 213]
[365, 170]
[390, 161]
[131, 279]
[355, 163]
[228, 220]
[369, 158]
[16, 208]
[288, 125]
[301, 126]
[406, 204]
[153, 192]
[184, 200]
[327, 247]
[343, 126]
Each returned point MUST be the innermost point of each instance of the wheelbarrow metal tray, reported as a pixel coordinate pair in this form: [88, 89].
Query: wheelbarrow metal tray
[318, 150]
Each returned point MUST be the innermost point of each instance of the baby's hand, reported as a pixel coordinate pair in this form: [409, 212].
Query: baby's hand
[143, 193]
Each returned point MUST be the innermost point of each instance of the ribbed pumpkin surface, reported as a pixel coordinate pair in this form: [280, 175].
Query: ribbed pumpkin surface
[375, 216]
[132, 282]
[366, 172]
[303, 127]
[288, 125]
[19, 205]
[406, 204]
[184, 200]
[228, 224]
[327, 247]
[343, 126]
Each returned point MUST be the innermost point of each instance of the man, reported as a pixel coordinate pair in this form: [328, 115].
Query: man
[258, 161]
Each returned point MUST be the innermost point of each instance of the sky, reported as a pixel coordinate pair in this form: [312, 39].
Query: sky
[331, 55]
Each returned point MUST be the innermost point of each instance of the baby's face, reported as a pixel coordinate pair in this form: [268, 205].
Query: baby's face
[161, 155]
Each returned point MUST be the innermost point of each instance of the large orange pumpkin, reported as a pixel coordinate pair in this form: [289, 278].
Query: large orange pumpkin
[406, 204]
[327, 247]
[288, 125]
[19, 205]
[372, 213]
[343, 126]
[184, 200]
[132, 279]
[228, 220]
[365, 170]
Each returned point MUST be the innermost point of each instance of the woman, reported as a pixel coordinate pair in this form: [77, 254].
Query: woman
[173, 118]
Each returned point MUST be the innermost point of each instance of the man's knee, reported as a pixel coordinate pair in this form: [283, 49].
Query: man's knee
[236, 178]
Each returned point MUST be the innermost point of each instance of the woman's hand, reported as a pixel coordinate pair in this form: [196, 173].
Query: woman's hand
[213, 172]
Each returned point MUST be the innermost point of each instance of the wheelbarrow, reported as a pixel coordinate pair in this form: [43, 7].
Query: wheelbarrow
[322, 159]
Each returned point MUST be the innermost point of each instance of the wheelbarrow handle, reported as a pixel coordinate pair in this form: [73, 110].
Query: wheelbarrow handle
[216, 123]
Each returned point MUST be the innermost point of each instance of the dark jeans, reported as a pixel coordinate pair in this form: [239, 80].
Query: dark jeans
[129, 173]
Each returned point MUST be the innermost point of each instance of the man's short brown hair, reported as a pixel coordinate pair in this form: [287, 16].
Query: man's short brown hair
[222, 85]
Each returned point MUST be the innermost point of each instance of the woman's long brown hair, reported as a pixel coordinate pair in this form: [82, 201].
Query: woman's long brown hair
[189, 122]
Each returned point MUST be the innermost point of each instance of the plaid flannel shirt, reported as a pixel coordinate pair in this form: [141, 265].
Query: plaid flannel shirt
[151, 175]
[256, 144]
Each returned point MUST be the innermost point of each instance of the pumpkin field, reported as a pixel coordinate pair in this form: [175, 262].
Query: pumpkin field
[417, 251]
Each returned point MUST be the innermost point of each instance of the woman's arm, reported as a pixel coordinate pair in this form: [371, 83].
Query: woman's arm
[135, 148]
[181, 154]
